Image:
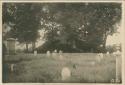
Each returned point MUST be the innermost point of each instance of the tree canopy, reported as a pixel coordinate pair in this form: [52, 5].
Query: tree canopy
[83, 27]
[25, 19]
[72, 27]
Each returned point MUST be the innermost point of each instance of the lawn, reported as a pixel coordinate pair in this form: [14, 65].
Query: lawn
[43, 69]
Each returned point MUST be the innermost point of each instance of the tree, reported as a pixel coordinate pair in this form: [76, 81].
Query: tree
[97, 19]
[26, 19]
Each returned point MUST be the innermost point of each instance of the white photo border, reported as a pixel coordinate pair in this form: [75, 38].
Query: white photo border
[67, 1]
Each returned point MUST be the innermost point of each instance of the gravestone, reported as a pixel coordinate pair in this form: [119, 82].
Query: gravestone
[117, 53]
[118, 66]
[12, 67]
[61, 57]
[60, 52]
[55, 51]
[99, 57]
[48, 53]
[65, 73]
[107, 53]
[54, 54]
[35, 52]
[11, 47]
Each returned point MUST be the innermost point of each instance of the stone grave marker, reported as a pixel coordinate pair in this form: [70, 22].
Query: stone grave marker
[118, 67]
[117, 53]
[54, 54]
[48, 53]
[65, 73]
[12, 67]
[107, 53]
[55, 51]
[60, 52]
[11, 46]
[35, 52]
[99, 57]
[60, 55]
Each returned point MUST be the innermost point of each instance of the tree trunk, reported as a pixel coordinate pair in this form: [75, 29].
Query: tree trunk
[26, 47]
[33, 46]
[104, 42]
[74, 44]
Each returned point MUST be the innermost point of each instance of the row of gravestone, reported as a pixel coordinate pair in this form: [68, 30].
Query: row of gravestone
[66, 72]
[48, 53]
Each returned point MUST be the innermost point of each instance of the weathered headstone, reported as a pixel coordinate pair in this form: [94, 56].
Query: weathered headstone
[12, 67]
[48, 53]
[55, 51]
[99, 57]
[60, 55]
[35, 52]
[118, 68]
[60, 52]
[107, 53]
[117, 53]
[65, 73]
[54, 54]
[11, 47]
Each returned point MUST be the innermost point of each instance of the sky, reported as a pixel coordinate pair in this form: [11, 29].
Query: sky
[115, 38]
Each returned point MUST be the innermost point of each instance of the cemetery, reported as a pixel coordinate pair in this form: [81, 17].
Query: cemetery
[43, 69]
[62, 43]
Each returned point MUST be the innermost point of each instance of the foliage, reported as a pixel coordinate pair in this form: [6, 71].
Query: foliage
[98, 19]
[80, 26]
[25, 19]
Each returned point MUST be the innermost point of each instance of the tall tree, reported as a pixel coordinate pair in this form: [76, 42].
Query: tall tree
[26, 20]
[86, 26]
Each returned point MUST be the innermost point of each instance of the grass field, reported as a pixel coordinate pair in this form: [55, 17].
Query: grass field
[43, 69]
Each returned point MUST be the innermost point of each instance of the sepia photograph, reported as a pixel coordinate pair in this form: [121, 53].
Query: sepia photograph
[61, 42]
